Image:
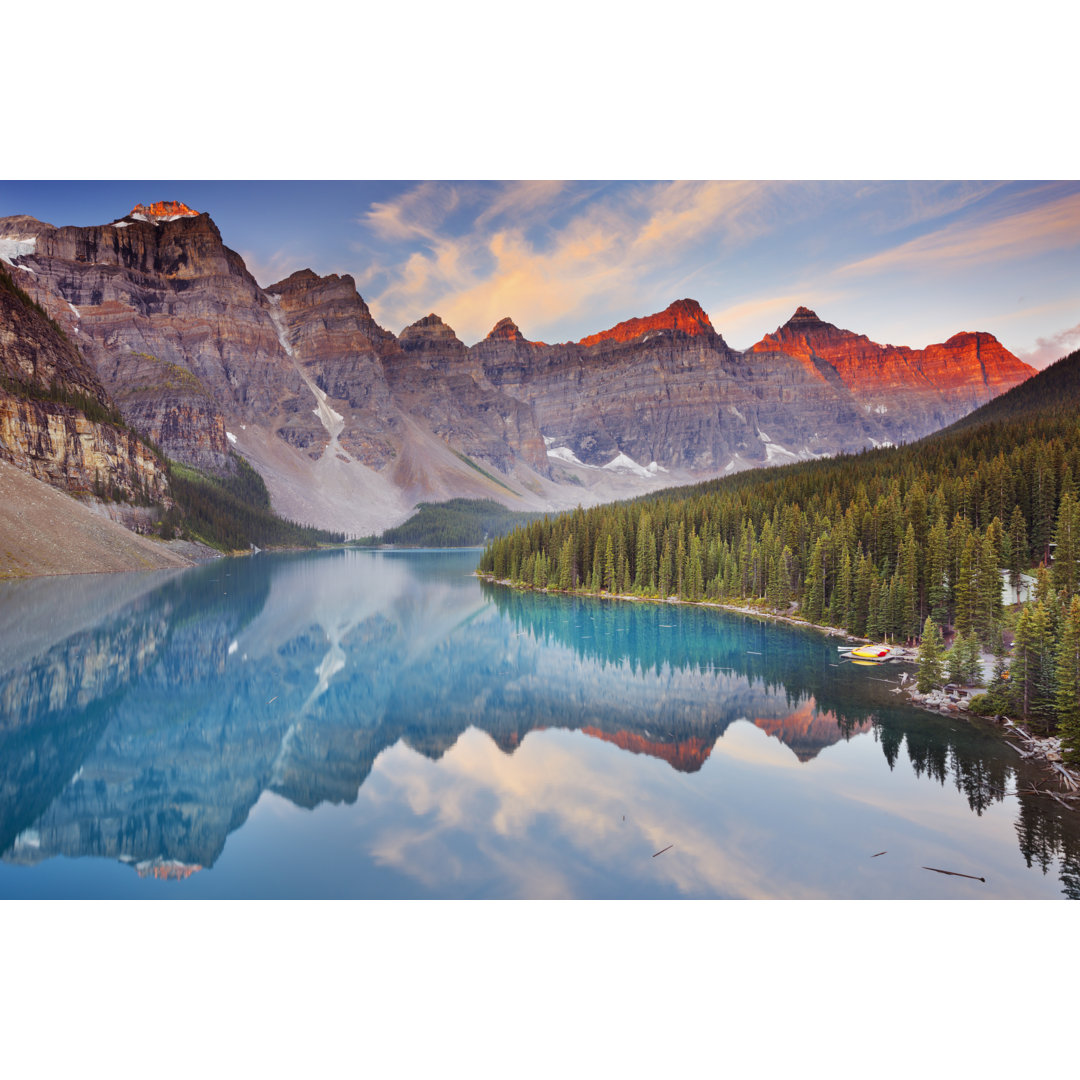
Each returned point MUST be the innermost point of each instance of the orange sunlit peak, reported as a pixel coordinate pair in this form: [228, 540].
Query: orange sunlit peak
[164, 209]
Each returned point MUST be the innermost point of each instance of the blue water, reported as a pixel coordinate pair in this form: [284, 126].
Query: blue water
[383, 724]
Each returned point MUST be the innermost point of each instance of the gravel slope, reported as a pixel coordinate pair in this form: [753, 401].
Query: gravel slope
[43, 531]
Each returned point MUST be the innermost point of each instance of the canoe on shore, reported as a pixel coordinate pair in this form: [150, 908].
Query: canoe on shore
[875, 653]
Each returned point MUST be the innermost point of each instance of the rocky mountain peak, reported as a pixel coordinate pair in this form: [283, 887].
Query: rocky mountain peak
[505, 330]
[307, 284]
[163, 210]
[803, 315]
[429, 330]
[683, 316]
[299, 279]
[23, 225]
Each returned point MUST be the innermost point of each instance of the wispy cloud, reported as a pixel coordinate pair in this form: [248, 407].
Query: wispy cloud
[1052, 226]
[506, 258]
[1049, 349]
[522, 199]
[744, 323]
[269, 269]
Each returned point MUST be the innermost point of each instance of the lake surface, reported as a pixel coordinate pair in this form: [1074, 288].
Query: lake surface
[383, 724]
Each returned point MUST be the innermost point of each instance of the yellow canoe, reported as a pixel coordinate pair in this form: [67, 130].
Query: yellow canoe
[876, 653]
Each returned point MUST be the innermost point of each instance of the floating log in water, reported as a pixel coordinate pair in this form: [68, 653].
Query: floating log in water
[954, 873]
[1058, 798]
[662, 850]
[1066, 776]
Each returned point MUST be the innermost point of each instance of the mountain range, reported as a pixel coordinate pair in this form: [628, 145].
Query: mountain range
[351, 425]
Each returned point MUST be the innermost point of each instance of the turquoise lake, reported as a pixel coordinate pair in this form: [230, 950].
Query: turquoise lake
[383, 724]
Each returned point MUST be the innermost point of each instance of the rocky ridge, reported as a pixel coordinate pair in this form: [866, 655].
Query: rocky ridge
[910, 392]
[351, 425]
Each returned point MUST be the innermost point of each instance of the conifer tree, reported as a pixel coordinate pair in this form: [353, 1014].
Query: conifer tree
[930, 656]
[1067, 546]
[814, 588]
[1067, 693]
[956, 659]
[997, 692]
[1019, 556]
[937, 589]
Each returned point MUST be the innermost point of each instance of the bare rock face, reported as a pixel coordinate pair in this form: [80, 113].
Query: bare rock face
[442, 381]
[332, 338]
[667, 389]
[166, 293]
[46, 389]
[59, 445]
[911, 391]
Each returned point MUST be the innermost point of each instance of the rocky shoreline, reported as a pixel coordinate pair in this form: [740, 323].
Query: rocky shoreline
[950, 700]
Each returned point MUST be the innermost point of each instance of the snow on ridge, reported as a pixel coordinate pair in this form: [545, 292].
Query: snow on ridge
[155, 220]
[548, 439]
[231, 437]
[624, 462]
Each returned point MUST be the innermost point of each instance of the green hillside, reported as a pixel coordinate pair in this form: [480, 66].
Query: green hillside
[454, 523]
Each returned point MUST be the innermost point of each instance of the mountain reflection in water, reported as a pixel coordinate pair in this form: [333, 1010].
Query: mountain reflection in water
[149, 729]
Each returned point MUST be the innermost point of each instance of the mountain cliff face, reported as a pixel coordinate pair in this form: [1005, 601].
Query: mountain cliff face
[911, 391]
[54, 412]
[666, 392]
[351, 425]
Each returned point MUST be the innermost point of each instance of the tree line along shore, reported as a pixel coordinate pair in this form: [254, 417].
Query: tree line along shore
[880, 544]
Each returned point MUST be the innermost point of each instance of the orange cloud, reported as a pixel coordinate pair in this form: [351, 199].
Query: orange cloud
[601, 257]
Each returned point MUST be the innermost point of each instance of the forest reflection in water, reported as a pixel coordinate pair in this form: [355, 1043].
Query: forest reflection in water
[359, 723]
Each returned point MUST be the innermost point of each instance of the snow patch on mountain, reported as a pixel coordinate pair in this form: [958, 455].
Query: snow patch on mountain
[625, 462]
[776, 452]
[567, 456]
[15, 247]
[155, 220]
[620, 463]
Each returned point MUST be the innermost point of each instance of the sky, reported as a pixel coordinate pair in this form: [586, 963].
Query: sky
[904, 262]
